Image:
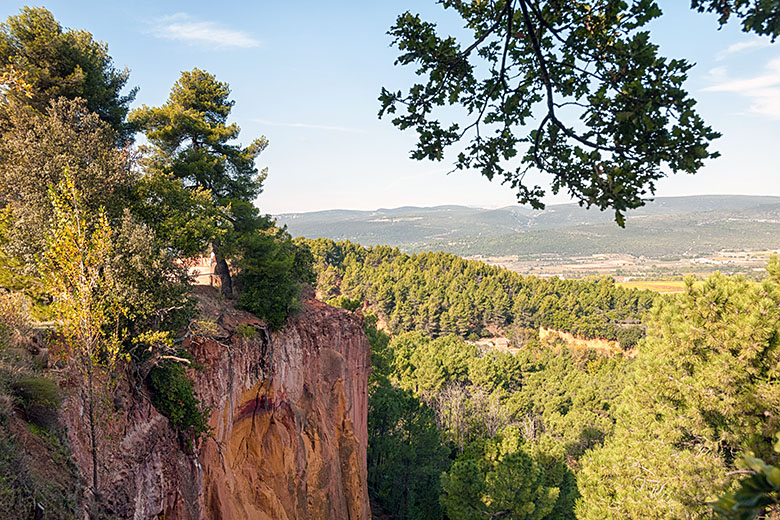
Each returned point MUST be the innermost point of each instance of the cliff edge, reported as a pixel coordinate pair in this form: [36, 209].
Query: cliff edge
[288, 411]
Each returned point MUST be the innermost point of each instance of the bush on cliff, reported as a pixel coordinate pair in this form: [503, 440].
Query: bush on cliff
[273, 268]
[174, 397]
[39, 397]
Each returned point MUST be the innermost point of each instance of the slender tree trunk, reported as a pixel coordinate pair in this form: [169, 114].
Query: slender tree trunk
[91, 407]
[223, 271]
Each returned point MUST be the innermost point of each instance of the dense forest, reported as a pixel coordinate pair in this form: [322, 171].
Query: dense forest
[460, 432]
[440, 294]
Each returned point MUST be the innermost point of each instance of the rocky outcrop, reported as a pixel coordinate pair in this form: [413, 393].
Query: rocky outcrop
[606, 347]
[288, 413]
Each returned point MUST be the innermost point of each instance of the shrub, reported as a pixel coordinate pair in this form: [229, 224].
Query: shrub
[343, 302]
[246, 331]
[174, 397]
[270, 278]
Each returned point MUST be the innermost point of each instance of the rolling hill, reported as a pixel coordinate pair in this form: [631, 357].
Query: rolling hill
[666, 226]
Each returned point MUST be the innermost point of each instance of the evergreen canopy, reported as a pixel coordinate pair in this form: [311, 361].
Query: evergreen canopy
[41, 62]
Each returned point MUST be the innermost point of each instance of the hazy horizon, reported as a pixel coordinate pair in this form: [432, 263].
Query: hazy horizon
[524, 206]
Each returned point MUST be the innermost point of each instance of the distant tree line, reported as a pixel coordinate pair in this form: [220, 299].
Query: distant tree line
[440, 294]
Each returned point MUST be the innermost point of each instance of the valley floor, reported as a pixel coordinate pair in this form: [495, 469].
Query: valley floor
[666, 273]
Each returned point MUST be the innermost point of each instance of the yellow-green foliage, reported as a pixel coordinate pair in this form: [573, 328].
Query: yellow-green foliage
[76, 271]
[247, 331]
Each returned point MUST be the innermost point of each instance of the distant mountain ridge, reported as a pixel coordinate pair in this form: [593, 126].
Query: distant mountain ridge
[667, 225]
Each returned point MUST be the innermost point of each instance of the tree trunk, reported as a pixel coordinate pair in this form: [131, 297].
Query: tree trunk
[223, 271]
[92, 432]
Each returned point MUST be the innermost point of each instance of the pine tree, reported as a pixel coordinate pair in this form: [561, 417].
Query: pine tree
[194, 143]
[41, 62]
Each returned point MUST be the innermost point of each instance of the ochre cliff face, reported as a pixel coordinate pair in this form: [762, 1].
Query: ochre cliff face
[290, 444]
[288, 412]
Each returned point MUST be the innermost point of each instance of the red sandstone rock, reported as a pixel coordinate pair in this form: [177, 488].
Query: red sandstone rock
[289, 414]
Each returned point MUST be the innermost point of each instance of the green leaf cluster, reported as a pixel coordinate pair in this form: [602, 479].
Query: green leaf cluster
[174, 397]
[507, 477]
[40, 62]
[576, 89]
[755, 494]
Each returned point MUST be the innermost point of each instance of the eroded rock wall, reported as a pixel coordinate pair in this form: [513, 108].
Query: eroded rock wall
[288, 412]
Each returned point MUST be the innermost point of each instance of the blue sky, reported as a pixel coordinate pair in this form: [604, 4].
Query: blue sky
[307, 74]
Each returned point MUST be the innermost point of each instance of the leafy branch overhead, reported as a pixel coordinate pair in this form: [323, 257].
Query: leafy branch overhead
[575, 89]
[758, 16]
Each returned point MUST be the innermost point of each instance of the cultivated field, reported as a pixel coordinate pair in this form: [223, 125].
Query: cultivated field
[662, 274]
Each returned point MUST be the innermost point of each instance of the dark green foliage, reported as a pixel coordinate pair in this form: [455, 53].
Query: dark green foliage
[152, 286]
[442, 294]
[758, 16]
[381, 357]
[37, 151]
[41, 62]
[303, 264]
[507, 477]
[39, 397]
[271, 270]
[425, 366]
[577, 90]
[192, 142]
[192, 139]
[756, 493]
[406, 455]
[174, 397]
[184, 219]
[560, 405]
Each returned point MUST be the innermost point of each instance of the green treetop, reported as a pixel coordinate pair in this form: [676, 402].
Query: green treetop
[192, 138]
[704, 389]
[193, 142]
[41, 62]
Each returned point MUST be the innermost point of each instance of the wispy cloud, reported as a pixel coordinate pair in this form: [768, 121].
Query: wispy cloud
[310, 126]
[182, 27]
[763, 90]
[742, 46]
